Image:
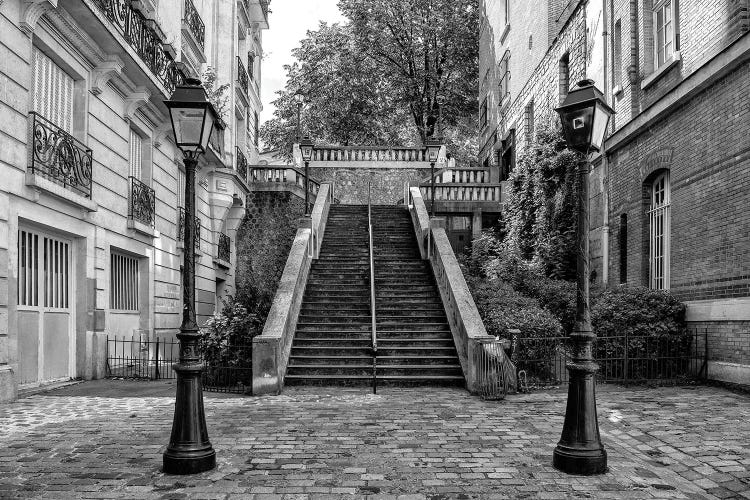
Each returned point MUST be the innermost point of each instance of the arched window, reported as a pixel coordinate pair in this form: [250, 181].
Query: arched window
[659, 233]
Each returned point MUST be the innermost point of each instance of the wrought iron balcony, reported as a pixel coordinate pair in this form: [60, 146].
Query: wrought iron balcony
[57, 156]
[141, 203]
[264, 6]
[225, 249]
[242, 77]
[143, 38]
[181, 228]
[241, 163]
[194, 21]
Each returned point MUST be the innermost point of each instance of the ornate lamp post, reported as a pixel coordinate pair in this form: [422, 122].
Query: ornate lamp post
[189, 450]
[299, 99]
[433, 146]
[307, 148]
[584, 115]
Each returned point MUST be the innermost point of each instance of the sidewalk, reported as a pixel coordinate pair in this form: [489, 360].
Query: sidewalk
[105, 439]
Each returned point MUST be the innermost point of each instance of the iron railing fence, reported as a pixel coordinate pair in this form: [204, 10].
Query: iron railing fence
[142, 35]
[59, 157]
[195, 23]
[242, 77]
[495, 373]
[224, 250]
[241, 163]
[227, 366]
[641, 359]
[142, 202]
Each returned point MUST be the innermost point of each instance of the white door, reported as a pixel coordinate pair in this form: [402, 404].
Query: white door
[45, 306]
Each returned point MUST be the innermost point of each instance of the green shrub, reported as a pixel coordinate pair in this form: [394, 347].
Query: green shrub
[651, 323]
[227, 344]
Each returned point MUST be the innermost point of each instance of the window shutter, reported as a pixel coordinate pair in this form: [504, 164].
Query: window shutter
[136, 154]
[52, 95]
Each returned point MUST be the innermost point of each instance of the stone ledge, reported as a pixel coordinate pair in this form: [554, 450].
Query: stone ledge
[718, 310]
[142, 228]
[661, 71]
[40, 184]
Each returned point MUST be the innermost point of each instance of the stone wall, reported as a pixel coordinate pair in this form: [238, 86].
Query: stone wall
[264, 239]
[350, 184]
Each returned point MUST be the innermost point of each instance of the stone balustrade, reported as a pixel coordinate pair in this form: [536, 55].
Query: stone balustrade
[463, 175]
[269, 174]
[469, 333]
[368, 153]
[454, 191]
[271, 349]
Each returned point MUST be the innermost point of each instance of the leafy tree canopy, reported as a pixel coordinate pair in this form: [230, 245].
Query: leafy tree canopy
[398, 72]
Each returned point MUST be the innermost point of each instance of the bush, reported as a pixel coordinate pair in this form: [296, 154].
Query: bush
[227, 344]
[650, 323]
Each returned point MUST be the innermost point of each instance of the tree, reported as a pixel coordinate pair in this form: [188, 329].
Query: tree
[399, 72]
[429, 52]
[347, 101]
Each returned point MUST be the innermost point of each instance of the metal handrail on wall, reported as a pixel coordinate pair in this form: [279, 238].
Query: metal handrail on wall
[372, 297]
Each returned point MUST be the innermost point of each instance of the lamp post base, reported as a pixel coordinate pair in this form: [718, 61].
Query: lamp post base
[189, 462]
[581, 461]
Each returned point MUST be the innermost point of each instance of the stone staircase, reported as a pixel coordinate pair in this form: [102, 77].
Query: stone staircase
[333, 341]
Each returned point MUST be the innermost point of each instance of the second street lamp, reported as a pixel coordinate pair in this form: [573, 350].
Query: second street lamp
[584, 115]
[189, 450]
[433, 146]
[306, 146]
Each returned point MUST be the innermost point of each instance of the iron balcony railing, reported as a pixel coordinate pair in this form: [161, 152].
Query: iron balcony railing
[264, 7]
[195, 23]
[181, 228]
[225, 250]
[141, 203]
[143, 38]
[59, 157]
[242, 77]
[241, 163]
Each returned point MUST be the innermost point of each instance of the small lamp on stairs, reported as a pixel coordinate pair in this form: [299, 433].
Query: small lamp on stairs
[307, 146]
[432, 145]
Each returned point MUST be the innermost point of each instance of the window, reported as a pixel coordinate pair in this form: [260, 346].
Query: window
[508, 155]
[504, 87]
[665, 34]
[123, 282]
[507, 12]
[564, 76]
[43, 271]
[135, 158]
[483, 114]
[180, 188]
[617, 54]
[623, 243]
[659, 233]
[529, 118]
[52, 95]
[251, 65]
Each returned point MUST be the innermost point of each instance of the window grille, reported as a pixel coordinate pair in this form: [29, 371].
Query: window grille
[529, 115]
[664, 31]
[52, 95]
[43, 271]
[504, 87]
[483, 114]
[136, 154]
[123, 282]
[659, 233]
[257, 128]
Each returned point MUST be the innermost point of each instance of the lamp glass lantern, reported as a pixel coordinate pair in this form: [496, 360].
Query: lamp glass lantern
[584, 115]
[307, 148]
[433, 149]
[299, 97]
[193, 116]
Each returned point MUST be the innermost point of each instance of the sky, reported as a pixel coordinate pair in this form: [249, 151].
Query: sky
[288, 22]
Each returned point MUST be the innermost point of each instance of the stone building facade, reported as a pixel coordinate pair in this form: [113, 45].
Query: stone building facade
[669, 195]
[93, 185]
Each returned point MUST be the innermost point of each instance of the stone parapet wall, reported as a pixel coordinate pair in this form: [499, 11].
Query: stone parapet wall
[350, 183]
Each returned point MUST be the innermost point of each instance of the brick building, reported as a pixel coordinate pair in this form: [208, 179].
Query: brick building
[669, 197]
[92, 190]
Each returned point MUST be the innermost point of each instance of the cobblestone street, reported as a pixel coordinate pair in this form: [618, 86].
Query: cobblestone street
[105, 440]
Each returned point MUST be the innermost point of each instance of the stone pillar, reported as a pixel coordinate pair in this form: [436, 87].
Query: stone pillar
[476, 224]
[8, 385]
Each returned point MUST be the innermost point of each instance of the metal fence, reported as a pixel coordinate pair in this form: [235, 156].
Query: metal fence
[495, 373]
[227, 368]
[643, 359]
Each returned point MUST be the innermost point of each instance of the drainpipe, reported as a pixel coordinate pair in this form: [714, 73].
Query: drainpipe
[605, 162]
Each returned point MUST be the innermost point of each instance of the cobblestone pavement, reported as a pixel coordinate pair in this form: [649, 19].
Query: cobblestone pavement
[106, 441]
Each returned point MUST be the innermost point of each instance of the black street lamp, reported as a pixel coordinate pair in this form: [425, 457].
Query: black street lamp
[299, 99]
[584, 115]
[189, 450]
[306, 146]
[432, 145]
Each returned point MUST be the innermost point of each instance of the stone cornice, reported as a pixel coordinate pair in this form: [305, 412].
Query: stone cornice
[136, 100]
[31, 11]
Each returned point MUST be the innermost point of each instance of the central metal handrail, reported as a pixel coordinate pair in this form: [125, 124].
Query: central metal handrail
[372, 297]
